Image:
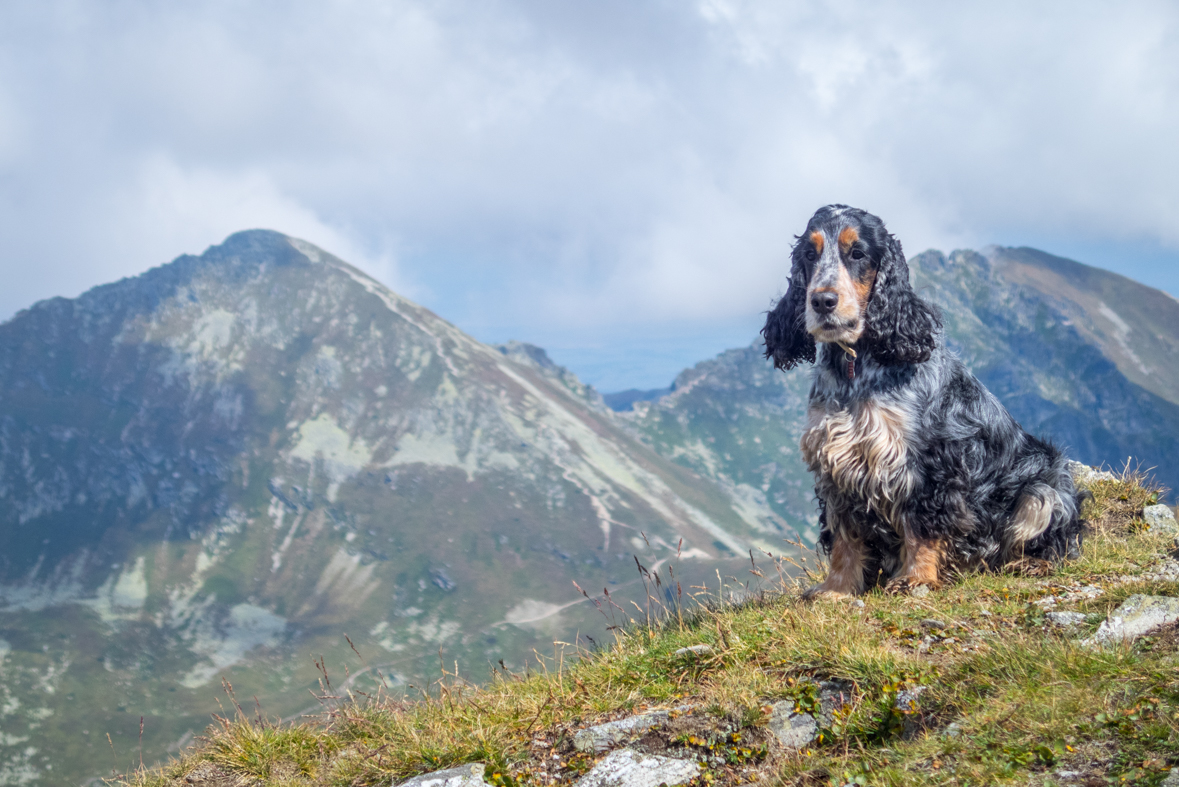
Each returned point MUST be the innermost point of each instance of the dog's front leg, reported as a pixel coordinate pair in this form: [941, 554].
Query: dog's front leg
[922, 562]
[846, 577]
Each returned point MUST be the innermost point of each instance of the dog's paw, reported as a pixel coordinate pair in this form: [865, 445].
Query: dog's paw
[907, 586]
[822, 593]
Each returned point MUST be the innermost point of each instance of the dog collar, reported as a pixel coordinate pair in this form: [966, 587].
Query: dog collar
[850, 354]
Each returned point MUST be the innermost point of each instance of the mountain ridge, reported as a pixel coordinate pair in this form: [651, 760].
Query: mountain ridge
[225, 464]
[1081, 291]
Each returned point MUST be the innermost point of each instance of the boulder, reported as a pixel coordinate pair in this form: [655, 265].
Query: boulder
[793, 730]
[1065, 620]
[629, 768]
[470, 775]
[1160, 519]
[1137, 616]
[1084, 475]
[606, 736]
[700, 651]
[796, 730]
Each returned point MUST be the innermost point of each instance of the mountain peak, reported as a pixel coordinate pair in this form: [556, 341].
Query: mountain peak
[237, 456]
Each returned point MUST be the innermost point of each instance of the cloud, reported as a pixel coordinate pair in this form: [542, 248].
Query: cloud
[605, 171]
[184, 208]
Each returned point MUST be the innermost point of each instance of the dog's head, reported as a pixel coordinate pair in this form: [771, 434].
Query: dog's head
[849, 284]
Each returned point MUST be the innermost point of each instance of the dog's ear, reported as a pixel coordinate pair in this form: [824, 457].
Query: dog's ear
[785, 334]
[900, 327]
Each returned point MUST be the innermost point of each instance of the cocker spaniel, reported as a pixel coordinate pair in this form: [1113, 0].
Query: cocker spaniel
[920, 471]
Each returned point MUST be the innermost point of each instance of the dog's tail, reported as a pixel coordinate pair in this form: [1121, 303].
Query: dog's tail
[1047, 523]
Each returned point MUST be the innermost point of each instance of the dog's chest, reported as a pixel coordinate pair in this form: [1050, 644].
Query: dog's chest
[860, 452]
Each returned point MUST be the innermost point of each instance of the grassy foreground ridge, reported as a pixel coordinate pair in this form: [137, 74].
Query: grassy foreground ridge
[1007, 698]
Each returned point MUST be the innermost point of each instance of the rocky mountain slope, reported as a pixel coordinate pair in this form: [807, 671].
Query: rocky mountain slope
[1084, 356]
[219, 468]
[1135, 326]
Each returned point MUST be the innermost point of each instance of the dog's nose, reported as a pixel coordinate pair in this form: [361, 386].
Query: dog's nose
[824, 302]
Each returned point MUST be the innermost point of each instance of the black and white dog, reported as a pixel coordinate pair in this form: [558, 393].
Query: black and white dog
[919, 469]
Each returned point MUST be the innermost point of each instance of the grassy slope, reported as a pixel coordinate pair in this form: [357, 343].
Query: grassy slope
[1026, 701]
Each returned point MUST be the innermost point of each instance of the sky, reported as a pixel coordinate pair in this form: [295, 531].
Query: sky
[618, 181]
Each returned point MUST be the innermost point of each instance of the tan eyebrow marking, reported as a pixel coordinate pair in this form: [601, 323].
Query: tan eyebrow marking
[817, 240]
[847, 237]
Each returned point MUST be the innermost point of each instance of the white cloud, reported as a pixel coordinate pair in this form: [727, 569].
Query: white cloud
[546, 170]
[192, 208]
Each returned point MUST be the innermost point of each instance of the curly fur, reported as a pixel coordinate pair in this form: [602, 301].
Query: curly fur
[900, 325]
[786, 339]
[919, 470]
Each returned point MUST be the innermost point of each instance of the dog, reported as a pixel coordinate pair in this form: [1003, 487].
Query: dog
[919, 471]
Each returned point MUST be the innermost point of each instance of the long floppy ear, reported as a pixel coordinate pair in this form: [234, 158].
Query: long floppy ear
[900, 326]
[787, 340]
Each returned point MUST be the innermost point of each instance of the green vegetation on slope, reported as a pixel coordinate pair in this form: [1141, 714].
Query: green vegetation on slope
[1006, 699]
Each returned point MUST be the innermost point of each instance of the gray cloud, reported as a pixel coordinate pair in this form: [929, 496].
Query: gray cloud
[615, 180]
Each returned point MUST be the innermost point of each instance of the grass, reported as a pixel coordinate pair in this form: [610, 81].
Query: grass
[1006, 698]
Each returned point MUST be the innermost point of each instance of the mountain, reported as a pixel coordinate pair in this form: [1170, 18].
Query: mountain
[1084, 356]
[1135, 326]
[621, 401]
[1035, 330]
[220, 467]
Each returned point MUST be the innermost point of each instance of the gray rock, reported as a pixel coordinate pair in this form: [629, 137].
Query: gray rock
[858, 603]
[921, 591]
[1172, 779]
[629, 768]
[952, 730]
[1085, 475]
[933, 623]
[1065, 620]
[470, 775]
[1067, 776]
[1167, 570]
[793, 730]
[1137, 616]
[1160, 519]
[906, 701]
[796, 730]
[695, 650]
[606, 736]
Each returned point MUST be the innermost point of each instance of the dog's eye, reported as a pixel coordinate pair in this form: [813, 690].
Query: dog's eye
[810, 255]
[857, 254]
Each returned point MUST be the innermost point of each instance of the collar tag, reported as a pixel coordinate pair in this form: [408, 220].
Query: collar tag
[850, 354]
